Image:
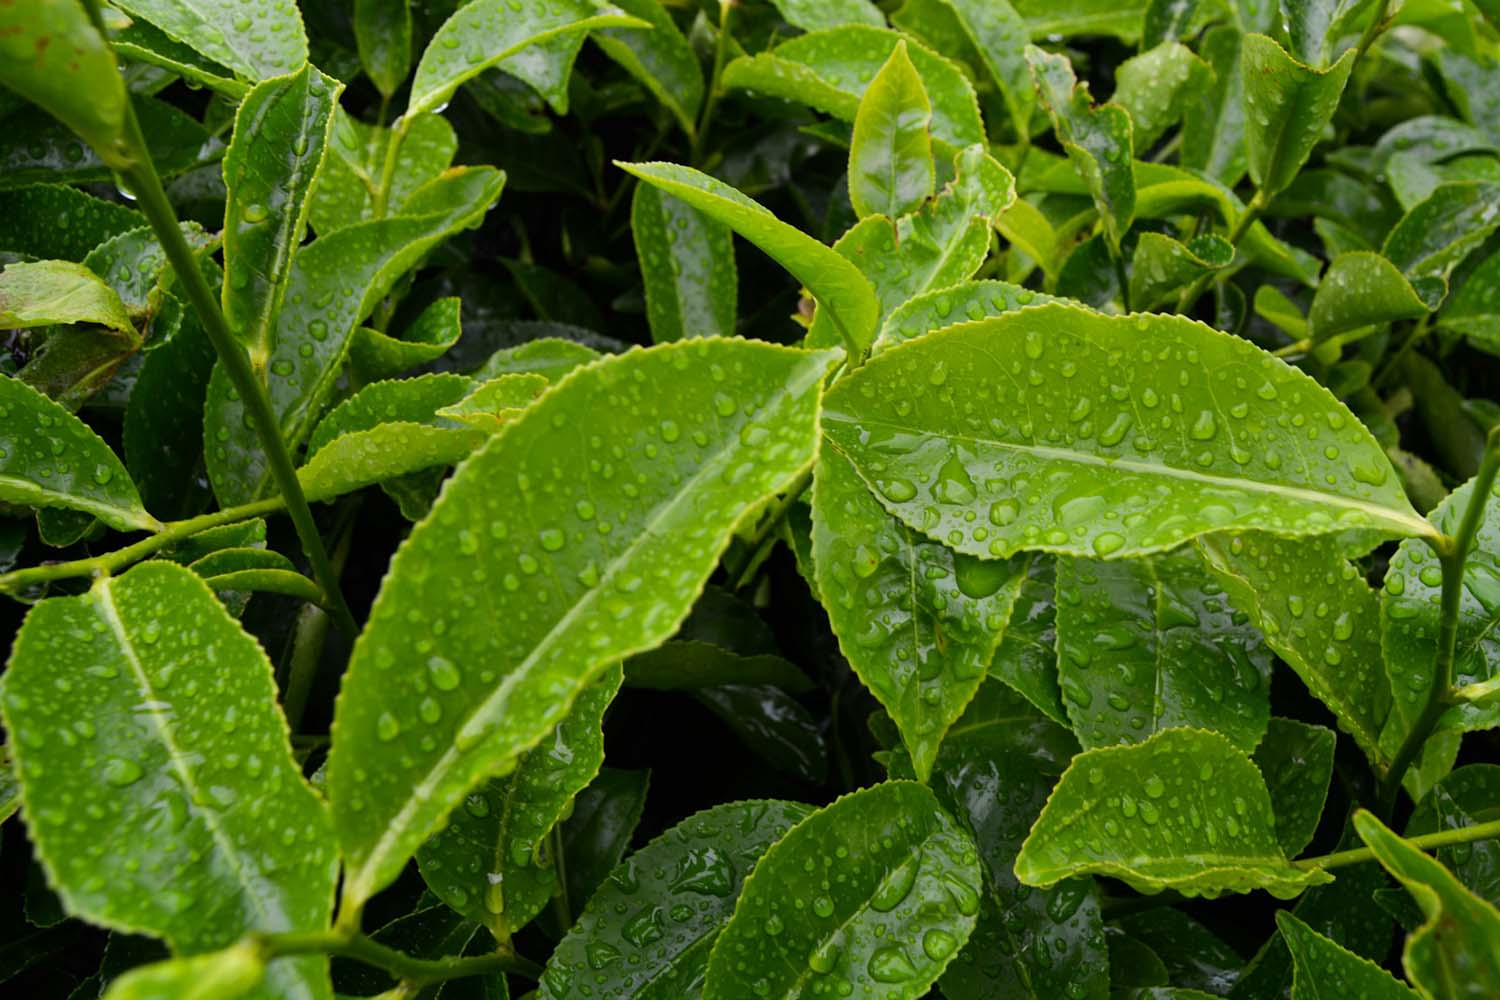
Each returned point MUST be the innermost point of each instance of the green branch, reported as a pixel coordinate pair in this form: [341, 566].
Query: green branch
[711, 96]
[1424, 842]
[410, 970]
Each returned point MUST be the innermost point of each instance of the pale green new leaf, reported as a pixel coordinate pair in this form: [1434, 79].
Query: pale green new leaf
[692, 872]
[378, 354]
[1056, 428]
[218, 975]
[918, 623]
[493, 403]
[280, 135]
[1185, 810]
[154, 731]
[660, 58]
[587, 558]
[52, 55]
[352, 168]
[1099, 141]
[1287, 106]
[1149, 644]
[1282, 585]
[687, 266]
[1296, 759]
[413, 400]
[1157, 87]
[145, 42]
[962, 303]
[488, 863]
[485, 32]
[838, 285]
[878, 890]
[1456, 952]
[1362, 289]
[1327, 971]
[257, 39]
[815, 15]
[56, 292]
[50, 458]
[382, 33]
[891, 171]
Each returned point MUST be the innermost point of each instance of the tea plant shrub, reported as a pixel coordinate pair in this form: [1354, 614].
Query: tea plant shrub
[569, 499]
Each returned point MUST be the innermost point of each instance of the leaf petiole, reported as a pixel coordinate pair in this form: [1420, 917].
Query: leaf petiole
[1426, 841]
[408, 968]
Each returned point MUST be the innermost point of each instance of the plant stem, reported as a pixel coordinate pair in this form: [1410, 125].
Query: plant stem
[560, 907]
[382, 194]
[1377, 25]
[711, 96]
[19, 580]
[141, 177]
[409, 969]
[1427, 841]
[1453, 555]
[739, 574]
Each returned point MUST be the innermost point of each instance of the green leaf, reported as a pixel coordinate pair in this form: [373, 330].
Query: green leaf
[1282, 585]
[962, 303]
[1161, 267]
[1026, 659]
[687, 265]
[1098, 141]
[815, 15]
[550, 357]
[891, 171]
[257, 39]
[1167, 21]
[1362, 289]
[773, 725]
[1287, 106]
[1185, 810]
[1474, 309]
[484, 32]
[1324, 969]
[52, 55]
[943, 244]
[1145, 645]
[146, 43]
[597, 834]
[661, 59]
[376, 355]
[280, 135]
[918, 623]
[878, 890]
[247, 831]
[1087, 382]
[1435, 236]
[633, 556]
[1195, 957]
[1315, 26]
[411, 400]
[660, 912]
[838, 285]
[493, 403]
[35, 149]
[1296, 760]
[352, 168]
[488, 863]
[1456, 953]
[690, 664]
[53, 222]
[51, 292]
[1065, 18]
[1157, 87]
[1213, 127]
[317, 320]
[49, 458]
[998, 34]
[220, 975]
[1463, 798]
[382, 32]
[830, 70]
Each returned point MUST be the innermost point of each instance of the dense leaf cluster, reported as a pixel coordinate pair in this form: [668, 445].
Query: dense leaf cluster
[766, 499]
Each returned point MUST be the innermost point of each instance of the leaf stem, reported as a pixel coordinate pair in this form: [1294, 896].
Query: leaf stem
[17, 581]
[382, 194]
[1426, 841]
[1377, 25]
[1453, 555]
[141, 177]
[408, 968]
[711, 96]
[560, 904]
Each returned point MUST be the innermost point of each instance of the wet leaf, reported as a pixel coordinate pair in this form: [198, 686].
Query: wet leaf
[1435, 236]
[258, 39]
[382, 31]
[891, 171]
[814, 15]
[1287, 105]
[1297, 762]
[220, 975]
[1361, 289]
[1162, 267]
[1157, 87]
[376, 354]
[687, 265]
[1463, 798]
[660, 58]
[1323, 968]
[54, 292]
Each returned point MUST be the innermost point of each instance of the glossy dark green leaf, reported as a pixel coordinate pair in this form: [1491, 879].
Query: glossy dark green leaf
[1325, 969]
[597, 834]
[838, 285]
[660, 58]
[773, 725]
[1213, 128]
[52, 55]
[1149, 644]
[1435, 236]
[36, 149]
[1157, 87]
[485, 32]
[1296, 760]
[687, 265]
[1287, 106]
[689, 664]
[352, 168]
[1162, 267]
[1026, 658]
[1456, 953]
[1195, 957]
[382, 31]
[376, 354]
[962, 303]
[50, 458]
[736, 426]
[1469, 795]
[891, 171]
[991, 479]
[257, 39]
[918, 623]
[658, 914]
[488, 862]
[1316, 26]
[1185, 810]
[829, 70]
[1474, 308]
[248, 834]
[815, 15]
[334, 282]
[265, 217]
[890, 897]
[53, 222]
[220, 975]
[1361, 289]
[1098, 140]
[1316, 611]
